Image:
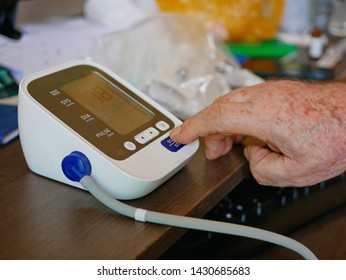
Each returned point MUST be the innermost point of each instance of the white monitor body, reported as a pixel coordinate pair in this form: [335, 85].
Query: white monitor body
[82, 106]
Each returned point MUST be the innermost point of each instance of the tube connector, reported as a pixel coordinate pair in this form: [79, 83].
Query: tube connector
[75, 166]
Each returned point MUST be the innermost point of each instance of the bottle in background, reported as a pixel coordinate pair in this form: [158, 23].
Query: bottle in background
[320, 14]
[316, 47]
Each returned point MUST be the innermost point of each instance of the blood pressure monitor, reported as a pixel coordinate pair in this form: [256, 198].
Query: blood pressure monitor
[81, 106]
[82, 125]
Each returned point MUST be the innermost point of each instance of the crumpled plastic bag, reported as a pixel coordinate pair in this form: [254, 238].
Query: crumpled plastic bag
[173, 59]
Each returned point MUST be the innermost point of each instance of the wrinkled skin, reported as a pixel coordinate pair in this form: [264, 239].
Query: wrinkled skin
[302, 124]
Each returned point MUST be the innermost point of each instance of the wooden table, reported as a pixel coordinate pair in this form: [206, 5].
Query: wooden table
[44, 219]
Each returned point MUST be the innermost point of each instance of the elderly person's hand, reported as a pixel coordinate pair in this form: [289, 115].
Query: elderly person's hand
[303, 125]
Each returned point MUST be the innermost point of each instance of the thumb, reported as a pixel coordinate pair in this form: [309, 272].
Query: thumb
[267, 167]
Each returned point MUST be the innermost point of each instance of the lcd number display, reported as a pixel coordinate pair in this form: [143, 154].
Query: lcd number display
[108, 103]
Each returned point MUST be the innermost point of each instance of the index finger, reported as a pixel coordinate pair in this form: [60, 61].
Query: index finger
[227, 118]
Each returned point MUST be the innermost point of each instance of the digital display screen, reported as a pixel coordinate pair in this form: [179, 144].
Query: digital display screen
[107, 102]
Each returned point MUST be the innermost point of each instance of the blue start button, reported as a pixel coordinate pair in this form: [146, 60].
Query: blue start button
[172, 146]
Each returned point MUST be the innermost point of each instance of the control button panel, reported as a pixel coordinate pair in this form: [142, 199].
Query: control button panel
[146, 135]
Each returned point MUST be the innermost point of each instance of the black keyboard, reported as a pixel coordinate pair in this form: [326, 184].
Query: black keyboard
[280, 210]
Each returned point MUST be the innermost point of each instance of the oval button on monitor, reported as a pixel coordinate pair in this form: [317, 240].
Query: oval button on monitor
[130, 146]
[162, 125]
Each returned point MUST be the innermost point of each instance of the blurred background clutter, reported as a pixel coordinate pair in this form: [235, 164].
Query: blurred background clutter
[182, 53]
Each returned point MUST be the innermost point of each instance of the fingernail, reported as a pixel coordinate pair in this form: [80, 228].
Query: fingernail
[246, 153]
[207, 155]
[175, 131]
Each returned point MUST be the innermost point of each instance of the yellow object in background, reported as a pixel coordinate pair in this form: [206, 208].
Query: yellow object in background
[246, 21]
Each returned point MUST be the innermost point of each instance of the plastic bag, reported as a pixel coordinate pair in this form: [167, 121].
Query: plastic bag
[173, 59]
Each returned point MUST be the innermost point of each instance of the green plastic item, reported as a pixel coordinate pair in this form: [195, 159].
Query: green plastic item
[267, 49]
